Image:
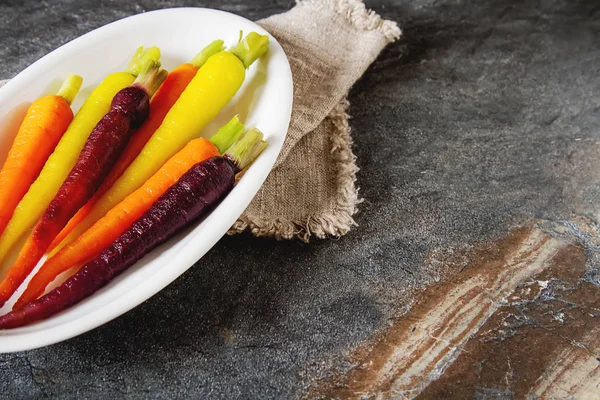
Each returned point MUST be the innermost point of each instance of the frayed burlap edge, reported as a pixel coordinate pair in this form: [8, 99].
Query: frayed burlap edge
[360, 16]
[339, 220]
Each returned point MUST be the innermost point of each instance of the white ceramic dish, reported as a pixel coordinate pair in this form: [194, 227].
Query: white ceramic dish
[265, 101]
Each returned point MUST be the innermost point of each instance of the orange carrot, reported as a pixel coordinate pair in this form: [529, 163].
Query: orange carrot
[119, 218]
[161, 103]
[45, 122]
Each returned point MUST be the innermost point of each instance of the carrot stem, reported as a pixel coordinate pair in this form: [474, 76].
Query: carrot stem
[246, 149]
[151, 77]
[141, 57]
[207, 52]
[251, 48]
[70, 88]
[228, 134]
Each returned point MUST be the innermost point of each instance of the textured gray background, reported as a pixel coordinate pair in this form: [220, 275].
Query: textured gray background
[485, 114]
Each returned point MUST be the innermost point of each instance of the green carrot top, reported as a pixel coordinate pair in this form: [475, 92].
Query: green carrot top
[251, 48]
[151, 77]
[210, 50]
[228, 134]
[70, 88]
[141, 57]
[246, 149]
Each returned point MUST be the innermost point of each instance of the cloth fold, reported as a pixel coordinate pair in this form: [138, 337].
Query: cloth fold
[311, 190]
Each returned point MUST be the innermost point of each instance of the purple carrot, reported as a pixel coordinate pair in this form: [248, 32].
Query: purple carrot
[129, 108]
[196, 192]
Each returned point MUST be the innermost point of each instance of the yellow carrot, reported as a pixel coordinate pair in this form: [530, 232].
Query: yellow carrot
[215, 83]
[62, 160]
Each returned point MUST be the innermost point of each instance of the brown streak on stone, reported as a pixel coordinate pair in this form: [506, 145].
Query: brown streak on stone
[487, 258]
[532, 348]
[550, 312]
[443, 323]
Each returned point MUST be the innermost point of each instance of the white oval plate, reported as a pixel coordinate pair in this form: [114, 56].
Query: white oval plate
[264, 101]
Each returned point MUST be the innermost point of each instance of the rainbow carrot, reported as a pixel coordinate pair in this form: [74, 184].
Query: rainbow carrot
[129, 109]
[45, 122]
[62, 160]
[211, 89]
[121, 216]
[161, 103]
[194, 194]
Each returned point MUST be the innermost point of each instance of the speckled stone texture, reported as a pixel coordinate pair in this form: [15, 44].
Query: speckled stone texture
[484, 117]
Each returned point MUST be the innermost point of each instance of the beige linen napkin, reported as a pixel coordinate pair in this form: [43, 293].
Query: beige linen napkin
[311, 190]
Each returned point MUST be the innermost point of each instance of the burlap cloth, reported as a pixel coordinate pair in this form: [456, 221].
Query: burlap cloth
[311, 190]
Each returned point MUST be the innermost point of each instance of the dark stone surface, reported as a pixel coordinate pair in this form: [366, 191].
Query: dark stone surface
[486, 113]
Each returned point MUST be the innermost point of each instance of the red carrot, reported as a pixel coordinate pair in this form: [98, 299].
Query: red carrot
[129, 109]
[199, 189]
[161, 103]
